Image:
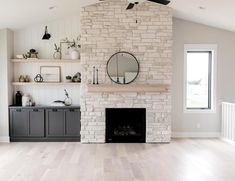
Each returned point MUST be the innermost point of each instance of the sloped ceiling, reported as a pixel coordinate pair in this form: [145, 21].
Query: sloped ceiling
[16, 14]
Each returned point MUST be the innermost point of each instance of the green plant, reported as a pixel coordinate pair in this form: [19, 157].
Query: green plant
[66, 93]
[195, 82]
[57, 49]
[74, 43]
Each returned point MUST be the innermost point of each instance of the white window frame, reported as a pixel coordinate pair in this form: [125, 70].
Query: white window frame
[201, 47]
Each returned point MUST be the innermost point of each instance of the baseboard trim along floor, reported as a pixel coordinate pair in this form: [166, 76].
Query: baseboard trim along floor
[196, 134]
[4, 139]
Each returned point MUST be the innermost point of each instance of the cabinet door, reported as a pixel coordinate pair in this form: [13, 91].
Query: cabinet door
[55, 122]
[19, 122]
[72, 122]
[36, 123]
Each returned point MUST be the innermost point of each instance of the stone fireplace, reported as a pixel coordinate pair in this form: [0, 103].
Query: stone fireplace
[107, 28]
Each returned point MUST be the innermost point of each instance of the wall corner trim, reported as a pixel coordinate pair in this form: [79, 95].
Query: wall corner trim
[4, 139]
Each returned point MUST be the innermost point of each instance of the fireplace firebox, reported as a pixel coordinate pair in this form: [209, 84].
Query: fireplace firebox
[125, 125]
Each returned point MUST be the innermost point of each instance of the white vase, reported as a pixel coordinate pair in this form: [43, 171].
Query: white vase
[57, 55]
[74, 54]
[25, 100]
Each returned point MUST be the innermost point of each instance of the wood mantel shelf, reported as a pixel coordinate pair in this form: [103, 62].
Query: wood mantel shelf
[128, 88]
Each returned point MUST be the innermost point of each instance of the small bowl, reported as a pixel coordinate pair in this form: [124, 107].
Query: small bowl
[19, 56]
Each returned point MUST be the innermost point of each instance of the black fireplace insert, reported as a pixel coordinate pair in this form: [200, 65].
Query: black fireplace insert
[125, 125]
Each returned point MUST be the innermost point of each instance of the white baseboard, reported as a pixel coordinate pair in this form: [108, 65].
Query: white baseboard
[196, 134]
[228, 141]
[4, 139]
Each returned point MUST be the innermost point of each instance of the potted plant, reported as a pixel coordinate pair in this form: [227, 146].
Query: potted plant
[74, 48]
[57, 54]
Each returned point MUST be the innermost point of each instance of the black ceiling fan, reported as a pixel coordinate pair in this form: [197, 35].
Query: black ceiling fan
[163, 2]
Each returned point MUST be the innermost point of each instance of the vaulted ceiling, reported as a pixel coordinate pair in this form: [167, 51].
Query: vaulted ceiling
[17, 14]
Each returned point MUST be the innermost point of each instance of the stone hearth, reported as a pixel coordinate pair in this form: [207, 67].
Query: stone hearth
[108, 27]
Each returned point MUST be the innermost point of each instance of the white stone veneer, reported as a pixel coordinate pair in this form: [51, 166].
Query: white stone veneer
[108, 27]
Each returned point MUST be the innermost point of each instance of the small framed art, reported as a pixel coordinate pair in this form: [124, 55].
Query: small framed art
[50, 73]
[64, 50]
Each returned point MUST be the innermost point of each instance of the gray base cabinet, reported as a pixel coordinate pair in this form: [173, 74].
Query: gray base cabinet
[36, 123]
[71, 124]
[19, 122]
[55, 122]
[44, 124]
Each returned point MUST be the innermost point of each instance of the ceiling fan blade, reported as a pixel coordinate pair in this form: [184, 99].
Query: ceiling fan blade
[164, 2]
[130, 6]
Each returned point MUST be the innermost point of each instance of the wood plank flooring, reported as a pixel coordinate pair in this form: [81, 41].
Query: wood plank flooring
[182, 160]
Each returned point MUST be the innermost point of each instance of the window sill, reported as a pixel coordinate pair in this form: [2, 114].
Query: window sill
[206, 111]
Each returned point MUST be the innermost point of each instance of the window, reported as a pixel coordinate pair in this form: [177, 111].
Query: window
[199, 78]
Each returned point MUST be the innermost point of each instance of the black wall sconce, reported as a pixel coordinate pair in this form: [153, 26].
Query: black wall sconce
[46, 35]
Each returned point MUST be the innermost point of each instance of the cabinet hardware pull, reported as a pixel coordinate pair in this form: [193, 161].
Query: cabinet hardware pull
[18, 110]
[54, 110]
[35, 110]
[72, 110]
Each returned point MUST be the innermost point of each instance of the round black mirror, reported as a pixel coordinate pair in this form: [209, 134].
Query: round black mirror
[123, 68]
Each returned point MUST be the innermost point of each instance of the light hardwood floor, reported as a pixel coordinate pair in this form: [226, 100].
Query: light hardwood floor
[182, 160]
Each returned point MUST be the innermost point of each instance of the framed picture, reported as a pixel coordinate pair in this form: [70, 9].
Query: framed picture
[64, 51]
[50, 73]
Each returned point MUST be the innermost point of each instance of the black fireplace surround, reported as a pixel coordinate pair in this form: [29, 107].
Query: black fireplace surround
[125, 125]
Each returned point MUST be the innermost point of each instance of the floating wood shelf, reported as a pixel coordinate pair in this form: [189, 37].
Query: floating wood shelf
[44, 61]
[43, 83]
[127, 88]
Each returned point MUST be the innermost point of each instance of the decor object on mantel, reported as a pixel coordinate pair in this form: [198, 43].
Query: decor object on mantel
[57, 53]
[123, 68]
[46, 35]
[127, 88]
[72, 50]
[95, 76]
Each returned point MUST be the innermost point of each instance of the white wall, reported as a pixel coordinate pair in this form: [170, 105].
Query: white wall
[6, 47]
[185, 32]
[31, 37]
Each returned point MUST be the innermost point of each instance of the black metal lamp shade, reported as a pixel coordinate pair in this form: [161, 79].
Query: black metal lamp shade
[46, 36]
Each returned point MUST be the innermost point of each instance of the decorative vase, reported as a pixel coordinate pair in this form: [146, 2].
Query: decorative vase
[25, 100]
[74, 54]
[68, 101]
[57, 55]
[18, 99]
[27, 79]
[21, 78]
